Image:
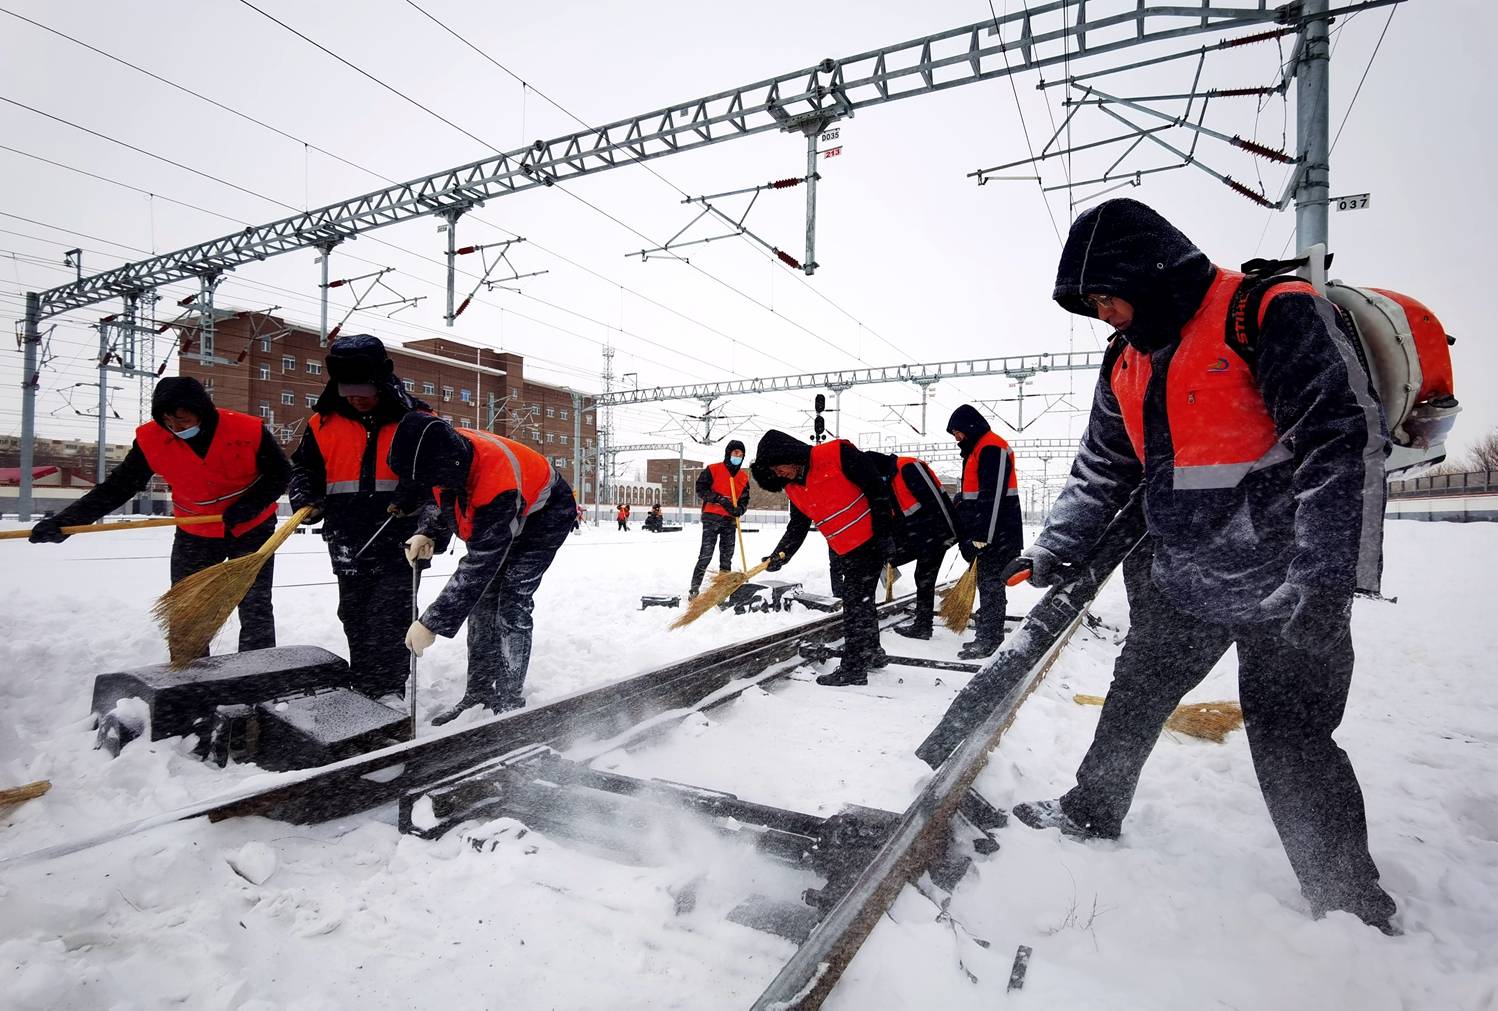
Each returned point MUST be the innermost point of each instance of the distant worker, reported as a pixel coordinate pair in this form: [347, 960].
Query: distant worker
[925, 527]
[513, 511]
[341, 470]
[991, 524]
[655, 520]
[723, 489]
[621, 515]
[837, 487]
[1263, 474]
[216, 461]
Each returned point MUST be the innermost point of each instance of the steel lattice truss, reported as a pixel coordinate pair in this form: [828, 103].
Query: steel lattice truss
[803, 101]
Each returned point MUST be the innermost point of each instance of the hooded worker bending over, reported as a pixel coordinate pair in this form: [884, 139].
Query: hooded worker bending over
[513, 511]
[340, 469]
[216, 461]
[836, 486]
[925, 528]
[724, 491]
[988, 507]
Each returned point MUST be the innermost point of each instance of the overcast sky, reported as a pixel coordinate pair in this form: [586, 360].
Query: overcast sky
[917, 262]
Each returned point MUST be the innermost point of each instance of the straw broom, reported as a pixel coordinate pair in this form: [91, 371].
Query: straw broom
[104, 528]
[957, 603]
[890, 575]
[193, 610]
[723, 584]
[1210, 721]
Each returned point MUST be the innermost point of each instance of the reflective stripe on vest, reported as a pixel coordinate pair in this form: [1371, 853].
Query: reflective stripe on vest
[1007, 480]
[342, 443]
[835, 504]
[730, 488]
[500, 465]
[905, 499]
[211, 483]
[1220, 430]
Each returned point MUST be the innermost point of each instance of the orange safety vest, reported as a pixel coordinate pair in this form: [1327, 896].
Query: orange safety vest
[970, 467]
[342, 442]
[205, 485]
[1220, 429]
[836, 505]
[500, 465]
[905, 499]
[731, 488]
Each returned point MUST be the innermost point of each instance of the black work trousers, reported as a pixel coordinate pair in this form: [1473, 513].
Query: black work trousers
[501, 626]
[717, 532]
[861, 569]
[257, 619]
[993, 596]
[375, 609]
[1292, 702]
[927, 570]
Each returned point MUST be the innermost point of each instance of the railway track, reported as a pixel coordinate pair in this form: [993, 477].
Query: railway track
[515, 765]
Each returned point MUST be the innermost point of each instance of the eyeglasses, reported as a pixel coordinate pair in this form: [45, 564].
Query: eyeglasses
[1099, 303]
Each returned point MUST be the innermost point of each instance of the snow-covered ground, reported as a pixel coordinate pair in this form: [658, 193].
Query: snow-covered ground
[1194, 907]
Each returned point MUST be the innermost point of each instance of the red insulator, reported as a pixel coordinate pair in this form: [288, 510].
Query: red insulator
[337, 284]
[1247, 39]
[242, 356]
[1272, 154]
[465, 250]
[1256, 198]
[788, 259]
[462, 307]
[189, 300]
[334, 332]
[781, 184]
[1241, 92]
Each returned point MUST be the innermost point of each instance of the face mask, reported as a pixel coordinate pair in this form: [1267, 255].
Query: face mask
[188, 433]
[737, 461]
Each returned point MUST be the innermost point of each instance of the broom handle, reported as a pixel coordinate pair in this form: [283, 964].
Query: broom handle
[100, 528]
[283, 531]
[733, 495]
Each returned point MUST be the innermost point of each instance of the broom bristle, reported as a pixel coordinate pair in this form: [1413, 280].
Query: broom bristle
[1210, 721]
[719, 589]
[193, 610]
[957, 603]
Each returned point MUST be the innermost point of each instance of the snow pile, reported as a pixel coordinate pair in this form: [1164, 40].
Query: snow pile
[1194, 907]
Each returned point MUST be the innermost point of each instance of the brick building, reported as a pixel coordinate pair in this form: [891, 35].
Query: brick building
[264, 366]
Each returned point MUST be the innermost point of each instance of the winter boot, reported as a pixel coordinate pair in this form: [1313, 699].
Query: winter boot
[844, 674]
[915, 628]
[977, 650]
[1049, 814]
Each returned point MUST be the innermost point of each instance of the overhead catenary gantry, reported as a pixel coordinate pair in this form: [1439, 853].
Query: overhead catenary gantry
[804, 101]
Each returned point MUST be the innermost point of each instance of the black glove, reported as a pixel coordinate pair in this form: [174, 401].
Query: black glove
[1045, 568]
[969, 550]
[1311, 618]
[742, 507]
[238, 513]
[47, 531]
[315, 516]
[776, 561]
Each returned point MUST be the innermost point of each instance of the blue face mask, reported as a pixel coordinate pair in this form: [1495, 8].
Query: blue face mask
[188, 433]
[737, 461]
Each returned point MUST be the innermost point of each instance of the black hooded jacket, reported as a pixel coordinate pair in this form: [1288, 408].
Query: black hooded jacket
[992, 517]
[134, 473]
[1313, 521]
[776, 447]
[705, 491]
[352, 518]
[931, 529]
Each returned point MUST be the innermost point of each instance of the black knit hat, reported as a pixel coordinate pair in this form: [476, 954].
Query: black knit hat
[359, 360]
[728, 451]
[176, 393]
[775, 448]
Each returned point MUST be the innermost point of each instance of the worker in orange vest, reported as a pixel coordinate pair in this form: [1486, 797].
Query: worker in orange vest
[837, 487]
[925, 527]
[723, 489]
[216, 461]
[513, 511]
[988, 508]
[340, 470]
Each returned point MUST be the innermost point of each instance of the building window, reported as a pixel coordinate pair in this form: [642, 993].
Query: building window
[448, 418]
[287, 397]
[564, 414]
[288, 363]
[588, 418]
[265, 410]
[409, 385]
[208, 384]
[428, 389]
[265, 372]
[563, 440]
[466, 396]
[550, 437]
[265, 344]
[536, 435]
[551, 412]
[314, 368]
[312, 400]
[447, 394]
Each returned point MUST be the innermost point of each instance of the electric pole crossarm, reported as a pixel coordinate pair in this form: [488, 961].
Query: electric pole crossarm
[1012, 365]
[803, 100]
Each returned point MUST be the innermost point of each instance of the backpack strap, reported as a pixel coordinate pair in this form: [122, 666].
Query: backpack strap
[1242, 326]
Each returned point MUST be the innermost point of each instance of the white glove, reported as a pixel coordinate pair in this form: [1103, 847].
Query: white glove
[419, 638]
[419, 548]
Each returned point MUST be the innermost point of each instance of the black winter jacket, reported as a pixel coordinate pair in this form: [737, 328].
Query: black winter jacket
[1314, 520]
[931, 529]
[993, 517]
